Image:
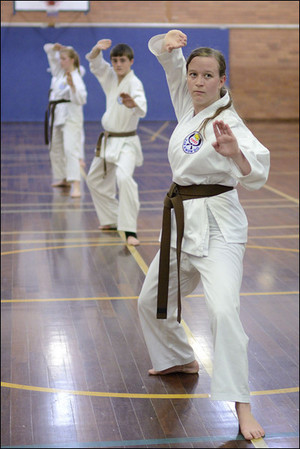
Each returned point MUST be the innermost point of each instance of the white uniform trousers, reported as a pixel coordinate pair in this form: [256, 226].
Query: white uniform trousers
[166, 340]
[65, 151]
[122, 211]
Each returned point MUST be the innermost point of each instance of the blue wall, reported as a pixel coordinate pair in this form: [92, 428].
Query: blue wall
[25, 80]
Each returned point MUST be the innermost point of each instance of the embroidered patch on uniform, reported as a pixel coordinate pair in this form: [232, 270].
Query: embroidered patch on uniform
[192, 143]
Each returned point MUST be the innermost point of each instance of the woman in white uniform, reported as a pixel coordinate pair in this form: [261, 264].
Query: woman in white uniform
[210, 152]
[67, 97]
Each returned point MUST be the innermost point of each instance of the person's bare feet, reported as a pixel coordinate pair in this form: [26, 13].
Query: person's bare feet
[75, 192]
[132, 241]
[62, 183]
[189, 368]
[249, 427]
[111, 227]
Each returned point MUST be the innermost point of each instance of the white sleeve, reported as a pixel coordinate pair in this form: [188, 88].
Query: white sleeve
[80, 95]
[140, 99]
[102, 70]
[54, 62]
[174, 66]
[256, 154]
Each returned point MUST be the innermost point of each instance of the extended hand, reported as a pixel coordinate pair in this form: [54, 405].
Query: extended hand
[70, 79]
[174, 39]
[103, 44]
[128, 101]
[226, 143]
[57, 47]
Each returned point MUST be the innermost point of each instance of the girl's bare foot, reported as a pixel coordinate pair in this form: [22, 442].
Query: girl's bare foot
[111, 227]
[62, 183]
[75, 192]
[189, 368]
[250, 428]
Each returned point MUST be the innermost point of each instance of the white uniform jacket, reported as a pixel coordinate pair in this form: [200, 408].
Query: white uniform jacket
[117, 117]
[73, 111]
[204, 165]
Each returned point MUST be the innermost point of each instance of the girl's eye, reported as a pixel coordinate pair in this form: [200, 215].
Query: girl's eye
[193, 75]
[208, 75]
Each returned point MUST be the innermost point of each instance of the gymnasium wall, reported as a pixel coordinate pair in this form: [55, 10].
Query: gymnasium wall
[25, 80]
[262, 38]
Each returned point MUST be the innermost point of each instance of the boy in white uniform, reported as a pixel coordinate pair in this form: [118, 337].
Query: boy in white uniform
[119, 148]
[67, 97]
[210, 152]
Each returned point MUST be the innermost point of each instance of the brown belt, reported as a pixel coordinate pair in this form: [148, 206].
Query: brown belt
[174, 199]
[105, 135]
[50, 110]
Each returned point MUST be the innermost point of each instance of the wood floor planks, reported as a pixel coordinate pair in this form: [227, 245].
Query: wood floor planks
[73, 339]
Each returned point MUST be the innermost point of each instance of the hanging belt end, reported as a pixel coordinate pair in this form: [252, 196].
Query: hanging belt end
[161, 313]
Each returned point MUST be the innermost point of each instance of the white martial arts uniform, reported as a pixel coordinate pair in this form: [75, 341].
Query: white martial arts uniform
[66, 142]
[215, 233]
[122, 154]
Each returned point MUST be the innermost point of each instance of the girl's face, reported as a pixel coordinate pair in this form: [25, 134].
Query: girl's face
[66, 62]
[204, 82]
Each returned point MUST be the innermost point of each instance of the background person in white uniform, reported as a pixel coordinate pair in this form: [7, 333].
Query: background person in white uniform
[210, 148]
[115, 163]
[50, 97]
[66, 139]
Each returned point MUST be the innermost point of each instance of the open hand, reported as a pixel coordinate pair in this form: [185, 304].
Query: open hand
[57, 46]
[174, 39]
[103, 44]
[70, 79]
[226, 143]
[128, 101]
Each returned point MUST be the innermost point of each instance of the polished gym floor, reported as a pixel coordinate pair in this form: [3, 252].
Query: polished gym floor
[74, 365]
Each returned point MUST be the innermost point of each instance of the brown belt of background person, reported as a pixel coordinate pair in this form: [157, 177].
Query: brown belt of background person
[174, 198]
[50, 111]
[105, 135]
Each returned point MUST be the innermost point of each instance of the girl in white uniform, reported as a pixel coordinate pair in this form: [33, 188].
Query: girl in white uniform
[66, 139]
[210, 146]
[120, 154]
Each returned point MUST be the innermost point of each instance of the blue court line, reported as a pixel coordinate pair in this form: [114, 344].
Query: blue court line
[140, 443]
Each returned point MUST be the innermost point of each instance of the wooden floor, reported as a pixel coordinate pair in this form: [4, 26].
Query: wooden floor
[74, 362]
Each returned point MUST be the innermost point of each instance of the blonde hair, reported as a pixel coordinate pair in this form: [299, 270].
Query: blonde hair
[72, 55]
[211, 52]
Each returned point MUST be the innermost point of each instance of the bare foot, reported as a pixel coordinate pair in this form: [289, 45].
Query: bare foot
[133, 241]
[75, 192]
[62, 183]
[189, 368]
[111, 227]
[250, 428]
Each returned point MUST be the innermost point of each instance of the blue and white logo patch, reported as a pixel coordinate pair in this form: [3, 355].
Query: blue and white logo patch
[192, 143]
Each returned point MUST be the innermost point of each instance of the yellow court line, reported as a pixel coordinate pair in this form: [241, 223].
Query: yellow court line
[164, 138]
[121, 298]
[18, 251]
[164, 126]
[107, 240]
[135, 395]
[278, 192]
[118, 243]
[272, 248]
[141, 231]
[67, 203]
